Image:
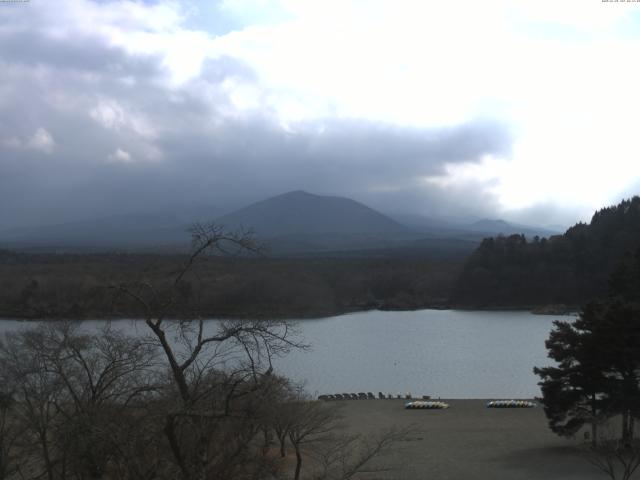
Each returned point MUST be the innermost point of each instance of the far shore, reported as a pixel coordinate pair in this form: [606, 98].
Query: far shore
[556, 310]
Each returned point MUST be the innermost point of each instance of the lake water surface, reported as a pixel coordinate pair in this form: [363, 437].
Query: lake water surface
[442, 353]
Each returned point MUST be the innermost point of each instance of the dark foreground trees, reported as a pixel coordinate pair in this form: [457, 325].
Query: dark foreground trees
[184, 399]
[100, 405]
[10, 461]
[573, 393]
[597, 375]
[596, 380]
[73, 397]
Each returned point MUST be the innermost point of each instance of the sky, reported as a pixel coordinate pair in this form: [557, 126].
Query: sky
[519, 110]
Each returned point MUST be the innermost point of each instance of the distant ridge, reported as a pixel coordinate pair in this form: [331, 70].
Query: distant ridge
[295, 223]
[492, 225]
[499, 226]
[303, 213]
[474, 230]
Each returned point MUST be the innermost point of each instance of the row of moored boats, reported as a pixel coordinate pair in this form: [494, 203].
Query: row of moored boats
[367, 396]
[438, 405]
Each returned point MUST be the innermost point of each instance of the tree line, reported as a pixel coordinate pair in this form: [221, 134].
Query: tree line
[568, 269]
[36, 286]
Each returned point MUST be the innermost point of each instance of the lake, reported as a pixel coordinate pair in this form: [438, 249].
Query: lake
[442, 353]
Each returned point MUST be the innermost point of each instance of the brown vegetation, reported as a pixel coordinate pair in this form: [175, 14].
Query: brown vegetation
[75, 286]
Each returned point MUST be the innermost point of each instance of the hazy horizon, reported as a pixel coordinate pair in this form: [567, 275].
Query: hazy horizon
[174, 215]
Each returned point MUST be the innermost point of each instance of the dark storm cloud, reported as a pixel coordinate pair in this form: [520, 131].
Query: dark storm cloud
[339, 157]
[125, 142]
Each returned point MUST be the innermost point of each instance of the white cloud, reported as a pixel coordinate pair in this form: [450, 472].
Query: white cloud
[108, 114]
[143, 152]
[111, 114]
[558, 72]
[41, 141]
[120, 156]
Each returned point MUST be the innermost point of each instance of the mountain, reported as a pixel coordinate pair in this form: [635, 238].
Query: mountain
[303, 222]
[429, 227]
[488, 225]
[565, 269]
[469, 230]
[296, 223]
[302, 213]
[293, 222]
[498, 226]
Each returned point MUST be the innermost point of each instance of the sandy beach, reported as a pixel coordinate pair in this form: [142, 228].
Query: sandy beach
[470, 441]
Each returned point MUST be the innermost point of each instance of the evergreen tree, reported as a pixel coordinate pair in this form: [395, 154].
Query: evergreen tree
[575, 392]
[617, 331]
[598, 361]
[569, 269]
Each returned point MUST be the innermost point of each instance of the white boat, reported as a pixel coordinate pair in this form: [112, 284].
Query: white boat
[510, 404]
[421, 404]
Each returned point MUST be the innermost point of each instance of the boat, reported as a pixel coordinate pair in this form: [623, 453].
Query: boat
[510, 404]
[421, 404]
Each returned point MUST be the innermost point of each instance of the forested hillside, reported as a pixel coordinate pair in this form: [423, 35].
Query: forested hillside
[77, 286]
[564, 269]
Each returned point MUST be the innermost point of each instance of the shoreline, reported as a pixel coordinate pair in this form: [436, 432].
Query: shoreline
[552, 310]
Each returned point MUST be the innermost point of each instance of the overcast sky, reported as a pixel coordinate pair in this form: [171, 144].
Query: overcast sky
[522, 110]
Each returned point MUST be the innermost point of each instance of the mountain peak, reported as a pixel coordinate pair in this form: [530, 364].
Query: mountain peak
[295, 195]
[492, 222]
[302, 213]
[299, 192]
[302, 195]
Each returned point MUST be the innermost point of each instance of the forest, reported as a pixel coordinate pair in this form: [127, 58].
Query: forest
[568, 269]
[35, 286]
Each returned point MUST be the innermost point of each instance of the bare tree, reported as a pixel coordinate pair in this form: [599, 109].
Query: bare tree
[72, 391]
[281, 421]
[314, 431]
[218, 372]
[310, 422]
[37, 392]
[617, 459]
[282, 413]
[104, 376]
[349, 455]
[10, 433]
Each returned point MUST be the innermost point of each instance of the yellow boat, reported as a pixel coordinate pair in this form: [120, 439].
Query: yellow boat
[421, 404]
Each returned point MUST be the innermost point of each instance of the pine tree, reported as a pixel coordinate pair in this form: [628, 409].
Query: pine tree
[575, 392]
[598, 361]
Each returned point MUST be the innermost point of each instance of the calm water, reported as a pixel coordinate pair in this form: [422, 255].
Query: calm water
[442, 353]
